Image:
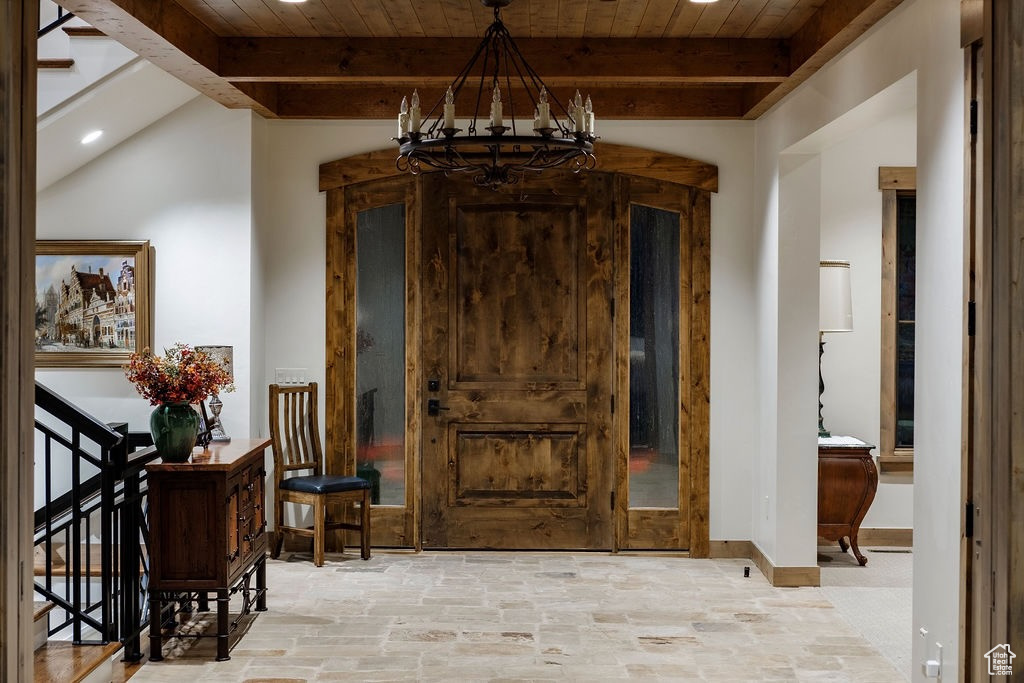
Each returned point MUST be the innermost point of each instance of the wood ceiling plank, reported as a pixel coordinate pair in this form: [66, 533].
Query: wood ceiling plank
[621, 60]
[234, 15]
[269, 23]
[797, 17]
[404, 18]
[291, 16]
[348, 18]
[543, 18]
[658, 17]
[432, 20]
[572, 18]
[320, 18]
[767, 22]
[600, 18]
[684, 21]
[206, 13]
[459, 16]
[376, 19]
[835, 25]
[628, 16]
[713, 18]
[342, 102]
[741, 17]
[517, 18]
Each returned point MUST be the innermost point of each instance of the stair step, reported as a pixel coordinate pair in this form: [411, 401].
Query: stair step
[84, 32]
[41, 625]
[60, 557]
[61, 660]
[56, 63]
[41, 609]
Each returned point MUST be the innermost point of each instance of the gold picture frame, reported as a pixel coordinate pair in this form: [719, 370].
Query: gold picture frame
[93, 302]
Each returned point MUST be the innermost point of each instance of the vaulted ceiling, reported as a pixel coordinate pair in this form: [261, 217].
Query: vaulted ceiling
[638, 59]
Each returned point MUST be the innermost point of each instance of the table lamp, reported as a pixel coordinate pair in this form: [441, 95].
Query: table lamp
[835, 314]
[225, 356]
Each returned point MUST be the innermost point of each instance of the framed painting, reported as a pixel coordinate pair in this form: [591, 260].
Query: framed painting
[93, 303]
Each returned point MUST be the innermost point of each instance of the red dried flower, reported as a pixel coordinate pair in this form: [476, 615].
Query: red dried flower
[183, 375]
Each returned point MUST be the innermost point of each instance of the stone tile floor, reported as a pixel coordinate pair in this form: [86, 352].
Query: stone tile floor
[529, 616]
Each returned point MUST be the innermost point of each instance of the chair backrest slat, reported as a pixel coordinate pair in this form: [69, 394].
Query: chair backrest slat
[294, 430]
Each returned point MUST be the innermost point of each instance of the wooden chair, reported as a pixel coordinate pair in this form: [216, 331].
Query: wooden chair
[296, 444]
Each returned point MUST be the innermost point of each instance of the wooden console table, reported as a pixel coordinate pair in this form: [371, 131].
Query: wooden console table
[207, 532]
[847, 481]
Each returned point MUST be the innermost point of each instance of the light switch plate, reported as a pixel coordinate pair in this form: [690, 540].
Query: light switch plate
[290, 375]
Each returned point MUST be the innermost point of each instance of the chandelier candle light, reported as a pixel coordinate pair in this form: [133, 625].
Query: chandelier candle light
[562, 136]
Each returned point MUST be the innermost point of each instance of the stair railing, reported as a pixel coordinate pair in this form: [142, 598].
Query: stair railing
[46, 24]
[94, 483]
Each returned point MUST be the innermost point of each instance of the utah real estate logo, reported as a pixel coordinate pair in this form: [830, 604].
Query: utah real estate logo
[1000, 660]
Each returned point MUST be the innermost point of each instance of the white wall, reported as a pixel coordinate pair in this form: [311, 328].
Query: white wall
[292, 241]
[921, 35]
[185, 185]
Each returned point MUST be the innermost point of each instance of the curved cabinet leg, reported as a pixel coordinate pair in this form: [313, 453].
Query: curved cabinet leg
[856, 551]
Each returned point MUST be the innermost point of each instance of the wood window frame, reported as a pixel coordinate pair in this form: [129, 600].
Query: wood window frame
[893, 181]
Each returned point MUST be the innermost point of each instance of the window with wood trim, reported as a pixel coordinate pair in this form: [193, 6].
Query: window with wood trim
[899, 247]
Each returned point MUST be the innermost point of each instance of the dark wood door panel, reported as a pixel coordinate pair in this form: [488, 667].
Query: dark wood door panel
[517, 303]
[517, 465]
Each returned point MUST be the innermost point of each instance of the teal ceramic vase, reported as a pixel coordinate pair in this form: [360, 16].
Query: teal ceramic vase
[174, 427]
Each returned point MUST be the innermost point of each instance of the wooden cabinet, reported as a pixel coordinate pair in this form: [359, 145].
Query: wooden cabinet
[847, 481]
[207, 526]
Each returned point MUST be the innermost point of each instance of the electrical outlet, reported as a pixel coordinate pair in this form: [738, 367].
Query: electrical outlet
[290, 375]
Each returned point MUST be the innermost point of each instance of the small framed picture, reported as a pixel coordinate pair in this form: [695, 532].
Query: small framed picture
[93, 304]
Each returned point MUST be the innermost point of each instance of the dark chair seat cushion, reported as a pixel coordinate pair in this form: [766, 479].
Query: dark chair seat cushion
[330, 483]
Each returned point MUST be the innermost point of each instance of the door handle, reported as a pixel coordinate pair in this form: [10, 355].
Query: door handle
[434, 407]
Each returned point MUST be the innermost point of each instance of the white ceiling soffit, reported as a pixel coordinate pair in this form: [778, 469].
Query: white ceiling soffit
[127, 101]
[897, 98]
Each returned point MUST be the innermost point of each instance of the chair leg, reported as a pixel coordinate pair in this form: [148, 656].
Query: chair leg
[319, 522]
[278, 526]
[364, 529]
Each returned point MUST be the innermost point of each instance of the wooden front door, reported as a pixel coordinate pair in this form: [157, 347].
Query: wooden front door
[517, 448]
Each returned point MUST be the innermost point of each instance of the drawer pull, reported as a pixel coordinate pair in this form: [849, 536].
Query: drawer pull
[233, 555]
[250, 486]
[242, 519]
[249, 538]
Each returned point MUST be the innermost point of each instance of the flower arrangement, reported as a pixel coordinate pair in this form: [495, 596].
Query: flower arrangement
[183, 375]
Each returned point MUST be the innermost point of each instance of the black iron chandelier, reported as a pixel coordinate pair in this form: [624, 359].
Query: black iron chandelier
[562, 136]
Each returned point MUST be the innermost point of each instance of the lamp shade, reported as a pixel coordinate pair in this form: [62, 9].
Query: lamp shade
[835, 304]
[221, 354]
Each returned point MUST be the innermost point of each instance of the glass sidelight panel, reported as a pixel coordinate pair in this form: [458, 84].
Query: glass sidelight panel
[380, 351]
[654, 358]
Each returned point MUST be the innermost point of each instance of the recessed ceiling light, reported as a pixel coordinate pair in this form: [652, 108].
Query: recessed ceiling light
[703, 2]
[293, 1]
[92, 137]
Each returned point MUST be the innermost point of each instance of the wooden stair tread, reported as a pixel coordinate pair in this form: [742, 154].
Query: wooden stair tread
[61, 660]
[84, 32]
[60, 560]
[56, 63]
[40, 609]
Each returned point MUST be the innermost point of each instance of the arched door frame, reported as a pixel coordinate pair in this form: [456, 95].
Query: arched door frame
[400, 526]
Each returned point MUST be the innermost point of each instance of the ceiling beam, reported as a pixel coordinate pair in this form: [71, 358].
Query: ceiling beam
[170, 37]
[832, 28]
[627, 102]
[436, 61]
